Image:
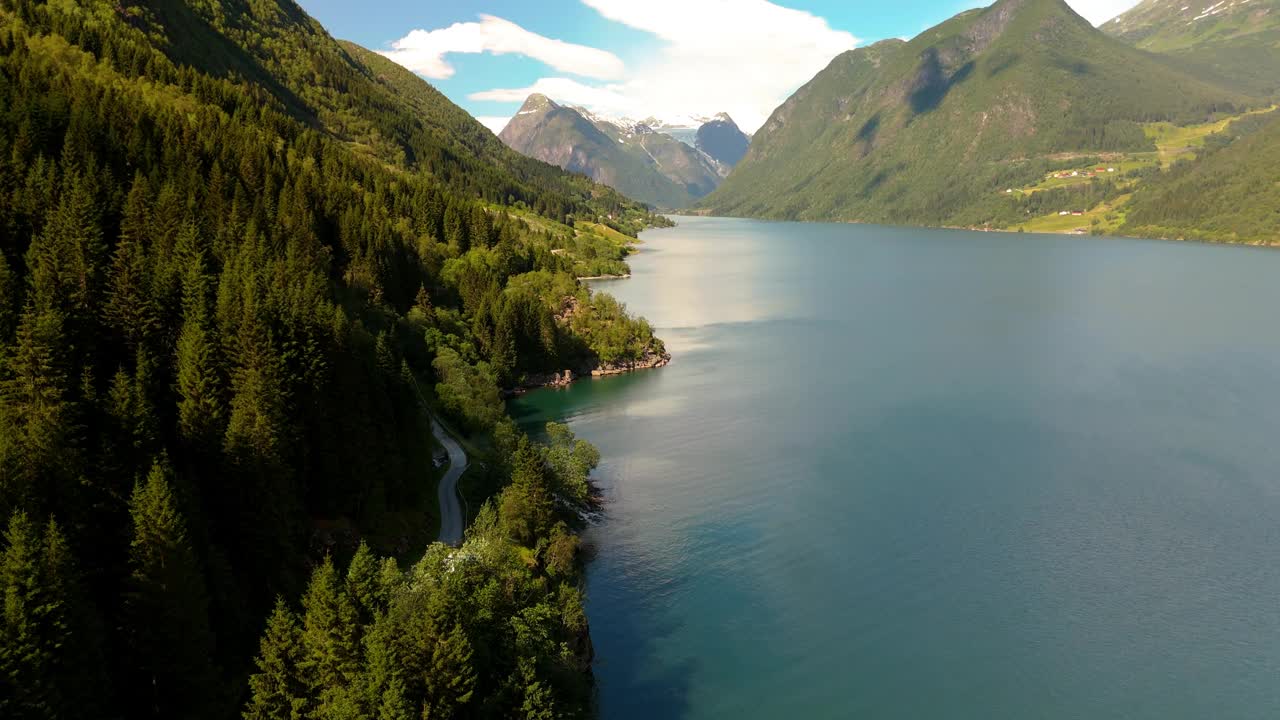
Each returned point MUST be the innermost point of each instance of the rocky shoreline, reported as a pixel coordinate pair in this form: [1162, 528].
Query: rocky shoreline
[564, 378]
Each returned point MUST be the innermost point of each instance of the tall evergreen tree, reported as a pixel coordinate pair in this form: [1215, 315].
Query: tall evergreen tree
[166, 599]
[451, 680]
[50, 660]
[200, 407]
[8, 298]
[330, 640]
[37, 453]
[364, 585]
[128, 308]
[68, 258]
[276, 689]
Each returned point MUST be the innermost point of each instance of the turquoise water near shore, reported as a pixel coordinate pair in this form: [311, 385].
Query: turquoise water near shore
[924, 473]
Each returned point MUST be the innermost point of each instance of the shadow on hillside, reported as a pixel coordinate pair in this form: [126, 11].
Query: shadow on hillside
[192, 41]
[932, 82]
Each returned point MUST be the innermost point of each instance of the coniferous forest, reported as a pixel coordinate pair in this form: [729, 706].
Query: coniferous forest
[236, 258]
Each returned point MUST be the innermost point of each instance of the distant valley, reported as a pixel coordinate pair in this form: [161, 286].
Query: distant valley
[665, 164]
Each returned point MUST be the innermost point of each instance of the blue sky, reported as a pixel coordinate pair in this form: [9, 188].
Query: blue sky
[632, 57]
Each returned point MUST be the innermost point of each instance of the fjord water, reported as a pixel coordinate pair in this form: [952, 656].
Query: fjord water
[920, 473]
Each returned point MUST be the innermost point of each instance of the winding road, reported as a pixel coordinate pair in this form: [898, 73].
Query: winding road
[450, 508]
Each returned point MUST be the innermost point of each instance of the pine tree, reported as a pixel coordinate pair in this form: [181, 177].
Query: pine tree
[256, 425]
[8, 295]
[29, 624]
[67, 259]
[128, 309]
[36, 452]
[330, 638]
[394, 704]
[455, 229]
[276, 689]
[166, 599]
[451, 681]
[538, 699]
[364, 586]
[50, 659]
[525, 506]
[382, 679]
[200, 409]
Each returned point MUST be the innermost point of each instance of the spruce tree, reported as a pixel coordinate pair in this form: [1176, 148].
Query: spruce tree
[50, 656]
[276, 689]
[67, 259]
[200, 407]
[128, 309]
[330, 639]
[364, 585]
[30, 626]
[382, 680]
[37, 457]
[8, 296]
[525, 507]
[166, 599]
[451, 680]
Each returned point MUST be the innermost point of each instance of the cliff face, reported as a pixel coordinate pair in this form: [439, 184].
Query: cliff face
[722, 140]
[562, 136]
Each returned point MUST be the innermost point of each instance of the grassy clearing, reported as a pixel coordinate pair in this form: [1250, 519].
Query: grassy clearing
[1109, 216]
[1173, 141]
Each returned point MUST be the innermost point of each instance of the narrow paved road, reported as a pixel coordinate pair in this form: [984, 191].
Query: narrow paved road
[450, 508]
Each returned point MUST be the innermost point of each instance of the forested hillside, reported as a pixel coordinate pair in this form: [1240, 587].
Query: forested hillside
[1230, 193]
[232, 252]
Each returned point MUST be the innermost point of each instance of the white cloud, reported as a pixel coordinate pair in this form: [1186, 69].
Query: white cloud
[743, 57]
[610, 99]
[1100, 11]
[424, 51]
[494, 122]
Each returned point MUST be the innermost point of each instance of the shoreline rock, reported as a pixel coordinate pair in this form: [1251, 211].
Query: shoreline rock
[565, 378]
[648, 361]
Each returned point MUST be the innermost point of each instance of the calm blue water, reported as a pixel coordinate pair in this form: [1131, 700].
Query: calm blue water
[917, 473]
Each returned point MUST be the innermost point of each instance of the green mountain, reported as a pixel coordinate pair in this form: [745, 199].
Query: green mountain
[1234, 42]
[941, 129]
[239, 262]
[633, 158]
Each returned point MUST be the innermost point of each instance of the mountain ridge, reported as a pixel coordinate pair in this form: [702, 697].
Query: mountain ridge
[1232, 42]
[642, 161]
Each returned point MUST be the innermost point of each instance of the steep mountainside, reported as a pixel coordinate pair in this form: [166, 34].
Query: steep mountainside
[1236, 42]
[357, 96]
[238, 263]
[721, 139]
[935, 130]
[674, 159]
[647, 164]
